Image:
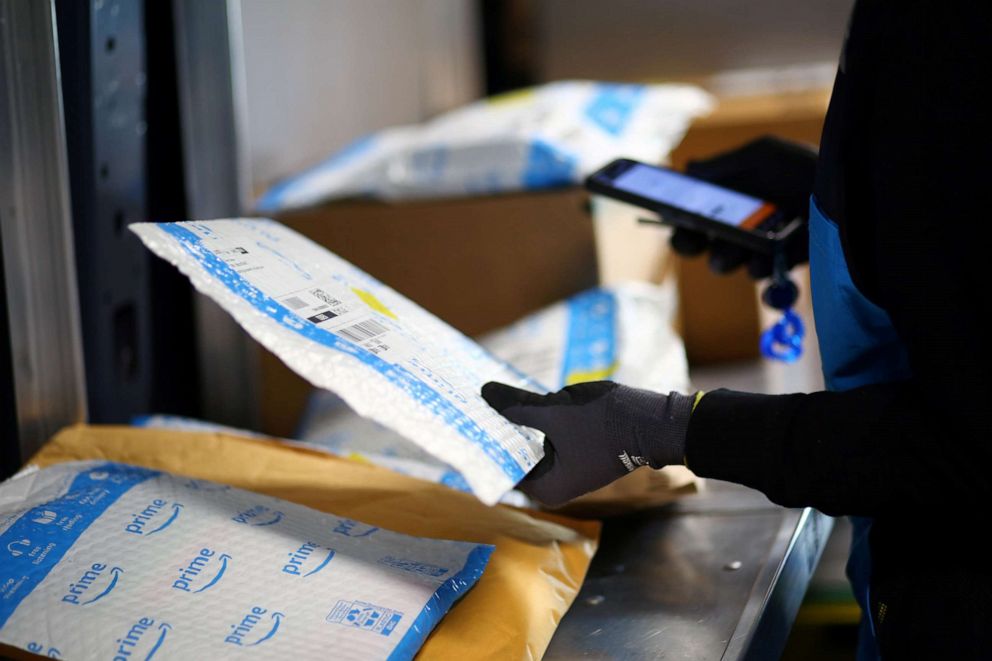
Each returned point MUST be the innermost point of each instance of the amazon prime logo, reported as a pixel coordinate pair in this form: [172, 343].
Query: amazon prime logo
[259, 515]
[352, 528]
[307, 560]
[96, 583]
[256, 627]
[143, 640]
[154, 518]
[202, 572]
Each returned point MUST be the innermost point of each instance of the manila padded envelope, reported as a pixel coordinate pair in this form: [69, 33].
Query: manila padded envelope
[532, 578]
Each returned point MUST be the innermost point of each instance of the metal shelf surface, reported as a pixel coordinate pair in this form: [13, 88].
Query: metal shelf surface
[718, 575]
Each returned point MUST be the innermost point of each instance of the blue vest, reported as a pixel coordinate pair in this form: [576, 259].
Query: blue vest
[858, 346]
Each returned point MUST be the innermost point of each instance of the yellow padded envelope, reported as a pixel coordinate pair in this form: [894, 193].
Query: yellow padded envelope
[532, 577]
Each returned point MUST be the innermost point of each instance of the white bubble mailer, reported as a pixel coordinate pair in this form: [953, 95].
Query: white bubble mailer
[344, 331]
[109, 561]
[546, 136]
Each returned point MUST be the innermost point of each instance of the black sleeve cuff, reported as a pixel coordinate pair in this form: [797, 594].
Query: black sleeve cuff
[738, 436]
[860, 452]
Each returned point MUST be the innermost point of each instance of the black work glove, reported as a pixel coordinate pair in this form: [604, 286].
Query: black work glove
[769, 168]
[594, 433]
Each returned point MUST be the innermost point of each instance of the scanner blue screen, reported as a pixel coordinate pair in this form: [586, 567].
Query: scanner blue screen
[682, 192]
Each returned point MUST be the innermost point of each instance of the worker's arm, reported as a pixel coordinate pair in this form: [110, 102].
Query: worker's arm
[865, 451]
[906, 174]
[905, 171]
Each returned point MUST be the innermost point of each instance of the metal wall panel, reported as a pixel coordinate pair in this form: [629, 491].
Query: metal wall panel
[210, 75]
[103, 67]
[45, 370]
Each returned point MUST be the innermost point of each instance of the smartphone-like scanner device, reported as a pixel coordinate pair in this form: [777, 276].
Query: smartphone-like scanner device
[683, 201]
[694, 204]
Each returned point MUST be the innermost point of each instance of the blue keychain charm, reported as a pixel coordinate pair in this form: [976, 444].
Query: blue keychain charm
[784, 340]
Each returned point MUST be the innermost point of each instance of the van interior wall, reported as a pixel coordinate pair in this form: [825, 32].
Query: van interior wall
[321, 74]
[653, 40]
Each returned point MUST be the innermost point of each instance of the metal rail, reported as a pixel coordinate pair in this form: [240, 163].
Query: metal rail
[718, 575]
[35, 228]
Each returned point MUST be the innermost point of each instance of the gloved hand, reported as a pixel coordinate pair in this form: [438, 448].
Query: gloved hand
[594, 433]
[769, 168]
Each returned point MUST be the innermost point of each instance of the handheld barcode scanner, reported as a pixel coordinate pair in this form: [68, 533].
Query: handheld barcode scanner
[683, 201]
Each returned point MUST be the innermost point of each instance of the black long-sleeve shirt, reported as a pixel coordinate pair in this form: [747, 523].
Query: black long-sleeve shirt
[905, 171]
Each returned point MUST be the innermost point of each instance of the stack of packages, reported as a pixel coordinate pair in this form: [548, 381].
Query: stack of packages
[547, 136]
[135, 542]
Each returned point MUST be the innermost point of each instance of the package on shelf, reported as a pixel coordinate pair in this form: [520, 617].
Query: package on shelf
[543, 137]
[109, 560]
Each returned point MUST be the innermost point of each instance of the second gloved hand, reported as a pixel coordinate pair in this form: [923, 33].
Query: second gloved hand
[594, 433]
[769, 168]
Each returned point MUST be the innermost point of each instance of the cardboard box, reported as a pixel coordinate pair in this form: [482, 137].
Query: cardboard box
[478, 263]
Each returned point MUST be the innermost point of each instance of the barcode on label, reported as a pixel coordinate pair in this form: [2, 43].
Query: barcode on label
[324, 296]
[363, 330]
[295, 302]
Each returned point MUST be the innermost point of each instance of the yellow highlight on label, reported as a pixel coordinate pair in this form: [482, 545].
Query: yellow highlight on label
[507, 98]
[590, 375]
[370, 300]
